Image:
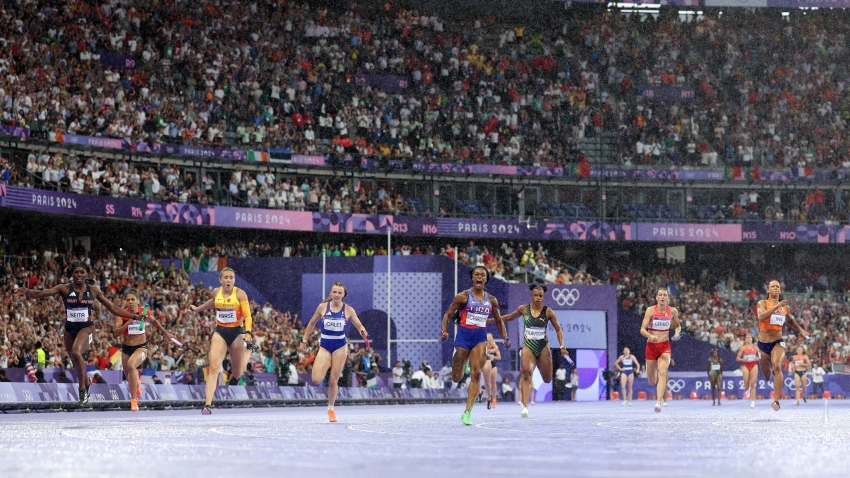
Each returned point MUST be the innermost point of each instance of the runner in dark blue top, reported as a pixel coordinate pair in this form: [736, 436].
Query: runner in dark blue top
[78, 298]
[332, 316]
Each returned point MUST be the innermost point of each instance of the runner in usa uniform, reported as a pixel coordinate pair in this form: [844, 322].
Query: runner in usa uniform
[233, 325]
[714, 368]
[628, 366]
[475, 306]
[333, 317]
[748, 355]
[134, 347]
[79, 298]
[656, 328]
[772, 315]
[801, 364]
[535, 350]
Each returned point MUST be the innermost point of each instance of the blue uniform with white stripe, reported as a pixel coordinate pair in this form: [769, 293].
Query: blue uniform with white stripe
[333, 325]
[472, 328]
[628, 365]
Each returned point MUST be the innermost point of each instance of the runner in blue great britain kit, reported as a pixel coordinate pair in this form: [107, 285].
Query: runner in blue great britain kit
[471, 309]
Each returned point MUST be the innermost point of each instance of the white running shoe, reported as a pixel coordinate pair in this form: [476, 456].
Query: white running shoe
[532, 402]
[664, 403]
[624, 403]
[519, 403]
[524, 413]
[753, 404]
[630, 403]
[657, 407]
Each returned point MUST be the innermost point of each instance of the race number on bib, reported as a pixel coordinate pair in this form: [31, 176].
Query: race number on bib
[777, 319]
[226, 316]
[77, 315]
[799, 363]
[660, 324]
[715, 366]
[334, 325]
[133, 328]
[749, 357]
[535, 333]
[478, 320]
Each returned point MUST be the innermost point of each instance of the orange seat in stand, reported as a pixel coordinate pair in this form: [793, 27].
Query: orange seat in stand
[694, 395]
[615, 395]
[641, 395]
[827, 395]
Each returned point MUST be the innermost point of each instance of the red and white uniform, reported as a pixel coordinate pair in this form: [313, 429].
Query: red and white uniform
[660, 322]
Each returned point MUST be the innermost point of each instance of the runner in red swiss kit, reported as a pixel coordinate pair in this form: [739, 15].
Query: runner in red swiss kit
[656, 328]
[748, 355]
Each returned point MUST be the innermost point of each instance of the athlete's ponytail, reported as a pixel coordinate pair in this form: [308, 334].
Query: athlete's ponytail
[533, 287]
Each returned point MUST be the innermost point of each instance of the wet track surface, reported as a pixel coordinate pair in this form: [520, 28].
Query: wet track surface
[689, 438]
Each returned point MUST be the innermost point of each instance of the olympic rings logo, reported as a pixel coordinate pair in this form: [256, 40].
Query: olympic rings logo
[566, 297]
[789, 382]
[675, 386]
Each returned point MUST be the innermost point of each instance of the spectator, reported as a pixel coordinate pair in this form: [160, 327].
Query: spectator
[3, 377]
[817, 379]
[398, 375]
[508, 390]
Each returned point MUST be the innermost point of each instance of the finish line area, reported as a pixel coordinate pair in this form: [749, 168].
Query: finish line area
[594, 439]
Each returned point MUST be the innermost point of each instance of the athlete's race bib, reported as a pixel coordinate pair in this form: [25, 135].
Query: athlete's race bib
[334, 325]
[777, 319]
[77, 315]
[799, 363]
[660, 324]
[715, 366]
[478, 320]
[133, 328]
[227, 316]
[535, 333]
[749, 357]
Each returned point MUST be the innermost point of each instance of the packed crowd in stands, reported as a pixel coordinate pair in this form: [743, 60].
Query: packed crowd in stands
[282, 74]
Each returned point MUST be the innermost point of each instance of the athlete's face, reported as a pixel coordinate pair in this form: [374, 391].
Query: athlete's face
[537, 297]
[661, 297]
[479, 278]
[627, 352]
[132, 302]
[227, 279]
[748, 340]
[799, 350]
[79, 275]
[773, 289]
[337, 293]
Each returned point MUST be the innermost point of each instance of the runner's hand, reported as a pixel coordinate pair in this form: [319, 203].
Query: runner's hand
[507, 343]
[444, 335]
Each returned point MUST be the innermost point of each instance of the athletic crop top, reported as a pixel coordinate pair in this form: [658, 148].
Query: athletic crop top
[750, 354]
[476, 312]
[799, 361]
[228, 312]
[333, 324]
[776, 319]
[628, 366]
[660, 321]
[134, 328]
[78, 305]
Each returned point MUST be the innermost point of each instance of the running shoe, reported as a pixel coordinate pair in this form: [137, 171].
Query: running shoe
[624, 403]
[630, 403]
[804, 399]
[524, 412]
[494, 402]
[664, 403]
[532, 402]
[753, 404]
[332, 416]
[718, 403]
[134, 405]
[466, 418]
[489, 403]
[139, 391]
[713, 404]
[775, 406]
[206, 410]
[657, 407]
[84, 397]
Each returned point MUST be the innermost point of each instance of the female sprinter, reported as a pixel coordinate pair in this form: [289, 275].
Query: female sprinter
[232, 330]
[134, 346]
[333, 316]
[490, 370]
[714, 368]
[748, 355]
[628, 366]
[801, 366]
[535, 350]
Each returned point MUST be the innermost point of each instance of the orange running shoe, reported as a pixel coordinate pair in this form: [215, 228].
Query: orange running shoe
[332, 416]
[139, 391]
[134, 405]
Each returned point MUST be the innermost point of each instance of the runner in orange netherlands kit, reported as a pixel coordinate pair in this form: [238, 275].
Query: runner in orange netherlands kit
[748, 355]
[656, 328]
[772, 315]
